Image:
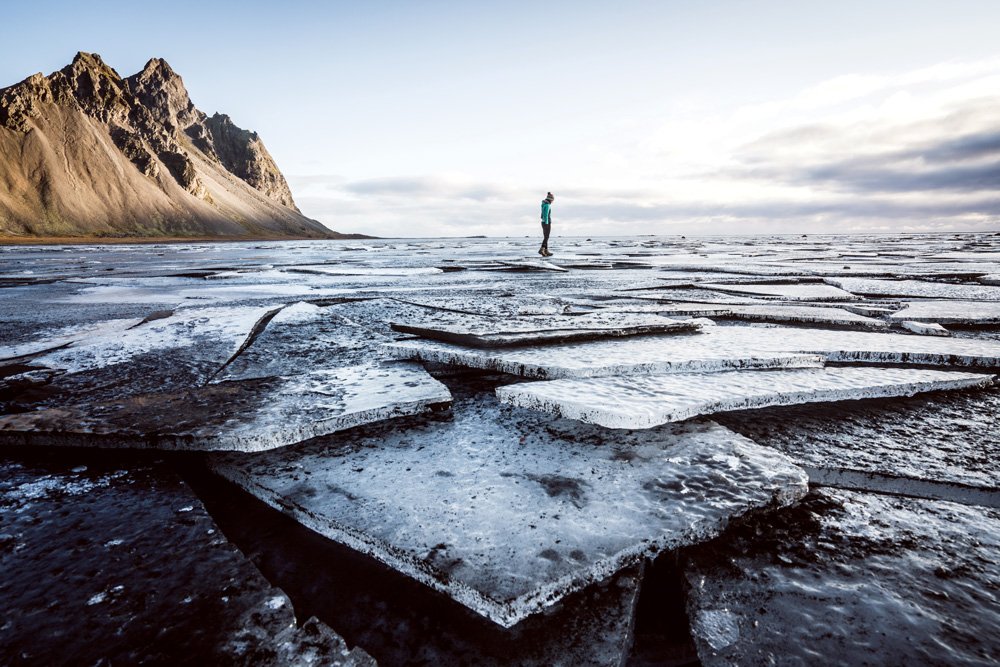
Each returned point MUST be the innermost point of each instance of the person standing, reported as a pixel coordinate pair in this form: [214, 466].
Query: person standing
[546, 224]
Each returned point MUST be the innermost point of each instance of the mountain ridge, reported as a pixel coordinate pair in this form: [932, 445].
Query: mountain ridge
[85, 152]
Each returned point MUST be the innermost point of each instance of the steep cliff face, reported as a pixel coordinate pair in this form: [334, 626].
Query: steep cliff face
[85, 152]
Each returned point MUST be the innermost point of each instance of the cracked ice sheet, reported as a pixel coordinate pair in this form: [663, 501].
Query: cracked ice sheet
[805, 314]
[252, 415]
[510, 306]
[950, 312]
[715, 348]
[508, 512]
[788, 292]
[68, 335]
[302, 338]
[917, 288]
[482, 331]
[205, 333]
[651, 400]
[850, 578]
[940, 445]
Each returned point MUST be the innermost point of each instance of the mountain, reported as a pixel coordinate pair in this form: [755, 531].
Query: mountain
[85, 152]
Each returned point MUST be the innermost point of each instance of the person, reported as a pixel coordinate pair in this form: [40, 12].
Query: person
[546, 224]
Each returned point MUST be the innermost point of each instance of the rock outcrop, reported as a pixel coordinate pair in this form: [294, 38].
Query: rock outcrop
[85, 152]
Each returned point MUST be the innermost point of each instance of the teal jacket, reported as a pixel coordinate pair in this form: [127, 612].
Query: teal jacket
[546, 213]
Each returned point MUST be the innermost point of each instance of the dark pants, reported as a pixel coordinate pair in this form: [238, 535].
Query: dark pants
[545, 235]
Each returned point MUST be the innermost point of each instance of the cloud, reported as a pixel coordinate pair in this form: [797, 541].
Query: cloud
[915, 151]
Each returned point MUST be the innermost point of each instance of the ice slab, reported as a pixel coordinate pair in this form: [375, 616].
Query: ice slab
[804, 314]
[533, 265]
[302, 338]
[990, 279]
[482, 331]
[950, 312]
[488, 305]
[210, 334]
[715, 348]
[939, 445]
[103, 564]
[924, 328]
[66, 336]
[651, 400]
[788, 292]
[917, 288]
[507, 512]
[251, 415]
[574, 361]
[851, 579]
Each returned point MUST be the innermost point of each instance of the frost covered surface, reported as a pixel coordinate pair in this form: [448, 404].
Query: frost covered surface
[508, 512]
[130, 561]
[715, 348]
[788, 292]
[67, 336]
[252, 415]
[917, 288]
[851, 579]
[482, 331]
[873, 445]
[595, 359]
[652, 400]
[299, 339]
[950, 312]
[803, 314]
[212, 334]
[925, 328]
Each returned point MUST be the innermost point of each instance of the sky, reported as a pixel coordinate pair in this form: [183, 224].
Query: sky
[454, 119]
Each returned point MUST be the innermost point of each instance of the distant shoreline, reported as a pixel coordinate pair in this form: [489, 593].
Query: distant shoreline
[145, 240]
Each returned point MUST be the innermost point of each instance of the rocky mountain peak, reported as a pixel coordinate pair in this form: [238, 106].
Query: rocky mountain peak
[148, 120]
[161, 90]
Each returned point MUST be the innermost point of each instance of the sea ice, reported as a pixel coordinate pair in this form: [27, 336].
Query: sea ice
[715, 348]
[917, 288]
[482, 331]
[870, 445]
[508, 512]
[651, 400]
[850, 578]
[950, 312]
[788, 292]
[212, 334]
[250, 415]
[299, 339]
[575, 360]
[924, 328]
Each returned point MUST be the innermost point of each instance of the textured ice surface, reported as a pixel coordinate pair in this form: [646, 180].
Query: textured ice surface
[597, 358]
[924, 328]
[851, 579]
[651, 400]
[715, 348]
[66, 336]
[917, 288]
[302, 338]
[788, 292]
[950, 312]
[251, 415]
[123, 565]
[533, 265]
[804, 314]
[939, 445]
[507, 511]
[482, 331]
[199, 333]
